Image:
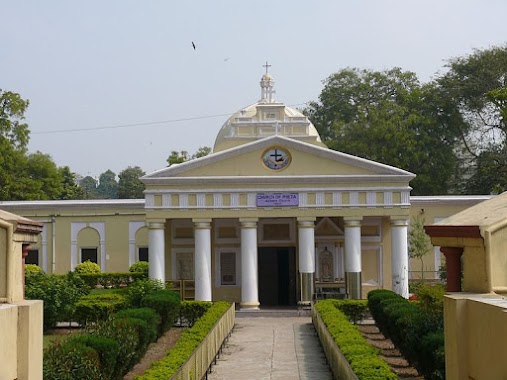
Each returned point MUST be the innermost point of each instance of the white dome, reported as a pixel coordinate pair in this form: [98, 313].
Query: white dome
[260, 120]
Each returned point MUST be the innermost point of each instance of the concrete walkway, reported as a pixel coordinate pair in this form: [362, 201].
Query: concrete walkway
[272, 348]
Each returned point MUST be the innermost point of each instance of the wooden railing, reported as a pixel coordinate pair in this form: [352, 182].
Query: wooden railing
[186, 288]
[198, 365]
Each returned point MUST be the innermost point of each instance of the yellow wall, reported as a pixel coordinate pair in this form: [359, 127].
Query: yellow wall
[475, 331]
[9, 339]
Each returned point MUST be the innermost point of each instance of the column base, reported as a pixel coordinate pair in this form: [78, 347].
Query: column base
[249, 305]
[353, 285]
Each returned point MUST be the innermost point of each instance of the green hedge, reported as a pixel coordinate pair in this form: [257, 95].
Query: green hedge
[416, 329]
[363, 358]
[98, 307]
[167, 304]
[112, 280]
[191, 311]
[148, 330]
[71, 361]
[106, 348]
[190, 339]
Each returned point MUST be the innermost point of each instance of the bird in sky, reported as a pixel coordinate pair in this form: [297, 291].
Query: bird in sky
[193, 45]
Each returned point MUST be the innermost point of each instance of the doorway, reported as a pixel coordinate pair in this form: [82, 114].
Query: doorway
[277, 276]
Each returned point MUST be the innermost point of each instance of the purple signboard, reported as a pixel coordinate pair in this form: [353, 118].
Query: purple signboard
[277, 199]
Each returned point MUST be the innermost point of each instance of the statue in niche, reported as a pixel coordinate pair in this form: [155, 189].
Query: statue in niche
[326, 265]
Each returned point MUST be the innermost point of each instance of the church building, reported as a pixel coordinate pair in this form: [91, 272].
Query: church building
[272, 217]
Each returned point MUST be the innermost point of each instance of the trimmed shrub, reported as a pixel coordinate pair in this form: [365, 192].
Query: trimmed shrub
[355, 310]
[191, 311]
[71, 361]
[140, 266]
[416, 328]
[126, 335]
[147, 315]
[167, 304]
[98, 307]
[140, 289]
[87, 267]
[32, 269]
[363, 358]
[190, 339]
[106, 348]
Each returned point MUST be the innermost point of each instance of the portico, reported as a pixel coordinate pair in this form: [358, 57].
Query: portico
[274, 215]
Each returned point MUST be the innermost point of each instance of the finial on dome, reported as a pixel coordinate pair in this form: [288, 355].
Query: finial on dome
[267, 84]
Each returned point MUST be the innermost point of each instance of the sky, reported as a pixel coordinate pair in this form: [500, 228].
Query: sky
[113, 84]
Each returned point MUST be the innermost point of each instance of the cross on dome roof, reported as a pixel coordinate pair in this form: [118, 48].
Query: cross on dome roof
[267, 86]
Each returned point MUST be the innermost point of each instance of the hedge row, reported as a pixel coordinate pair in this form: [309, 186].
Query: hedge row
[110, 347]
[190, 339]
[414, 328]
[112, 280]
[363, 358]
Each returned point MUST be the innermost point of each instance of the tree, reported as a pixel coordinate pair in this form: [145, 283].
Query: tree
[129, 185]
[70, 187]
[419, 244]
[44, 180]
[388, 117]
[475, 86]
[12, 111]
[183, 156]
[14, 136]
[178, 157]
[108, 187]
[89, 186]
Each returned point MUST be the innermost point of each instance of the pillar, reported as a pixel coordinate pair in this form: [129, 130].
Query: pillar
[453, 264]
[249, 267]
[156, 251]
[202, 259]
[353, 257]
[399, 256]
[306, 234]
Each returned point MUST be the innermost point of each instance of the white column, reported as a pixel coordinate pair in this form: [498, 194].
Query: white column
[353, 257]
[399, 256]
[156, 251]
[249, 268]
[202, 259]
[306, 246]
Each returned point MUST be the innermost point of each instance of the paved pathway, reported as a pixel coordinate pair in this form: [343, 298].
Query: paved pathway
[272, 348]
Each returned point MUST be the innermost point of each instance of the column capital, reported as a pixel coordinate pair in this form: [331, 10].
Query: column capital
[202, 223]
[352, 221]
[306, 222]
[399, 221]
[156, 225]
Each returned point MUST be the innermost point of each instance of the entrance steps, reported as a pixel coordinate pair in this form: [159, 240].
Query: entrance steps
[274, 312]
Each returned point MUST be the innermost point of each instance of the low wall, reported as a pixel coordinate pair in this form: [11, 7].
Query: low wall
[475, 336]
[197, 365]
[339, 365]
[21, 341]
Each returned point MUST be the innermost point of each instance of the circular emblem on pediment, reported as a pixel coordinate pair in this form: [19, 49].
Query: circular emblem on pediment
[276, 158]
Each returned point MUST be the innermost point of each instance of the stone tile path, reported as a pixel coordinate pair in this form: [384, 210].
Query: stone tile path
[272, 348]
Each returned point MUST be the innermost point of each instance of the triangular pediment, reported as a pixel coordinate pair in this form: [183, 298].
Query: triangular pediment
[306, 160]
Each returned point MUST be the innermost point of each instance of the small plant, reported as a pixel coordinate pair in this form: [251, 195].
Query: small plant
[87, 267]
[140, 266]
